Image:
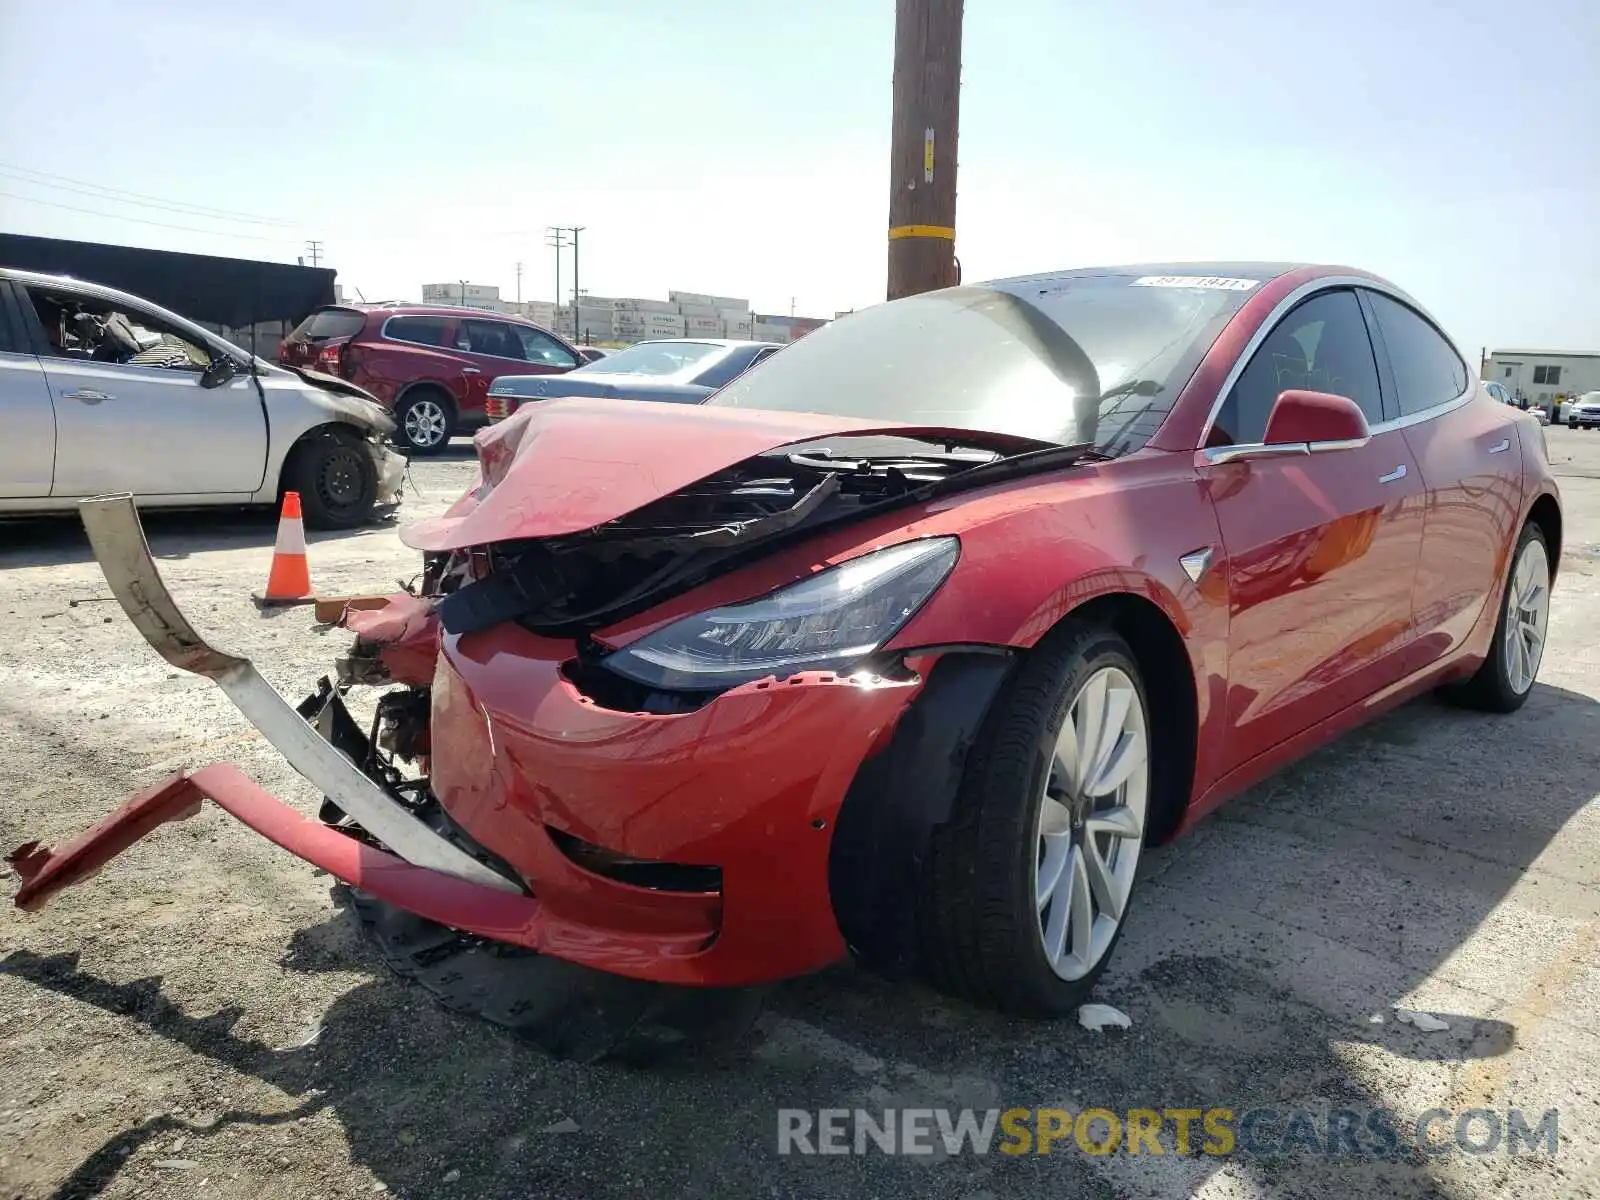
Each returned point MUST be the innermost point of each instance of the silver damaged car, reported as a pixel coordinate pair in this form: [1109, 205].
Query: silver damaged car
[102, 392]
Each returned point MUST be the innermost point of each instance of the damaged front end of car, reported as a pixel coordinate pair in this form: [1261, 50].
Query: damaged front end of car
[436, 824]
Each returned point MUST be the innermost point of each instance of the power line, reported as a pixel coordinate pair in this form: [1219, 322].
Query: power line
[182, 210]
[249, 237]
[102, 191]
[314, 249]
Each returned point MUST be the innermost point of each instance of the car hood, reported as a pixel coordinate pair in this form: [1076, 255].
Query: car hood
[572, 464]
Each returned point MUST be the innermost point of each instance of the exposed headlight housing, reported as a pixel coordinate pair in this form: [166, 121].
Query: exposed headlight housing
[826, 622]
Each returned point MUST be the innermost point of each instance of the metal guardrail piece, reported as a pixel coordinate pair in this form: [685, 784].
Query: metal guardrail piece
[117, 537]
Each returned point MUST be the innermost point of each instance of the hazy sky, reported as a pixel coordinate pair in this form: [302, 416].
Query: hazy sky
[743, 148]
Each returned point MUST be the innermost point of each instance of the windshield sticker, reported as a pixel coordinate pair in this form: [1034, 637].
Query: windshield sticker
[1214, 283]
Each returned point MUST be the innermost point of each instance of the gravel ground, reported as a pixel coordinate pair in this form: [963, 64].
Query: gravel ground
[202, 1021]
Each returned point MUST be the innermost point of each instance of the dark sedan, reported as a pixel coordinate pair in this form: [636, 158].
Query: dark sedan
[677, 370]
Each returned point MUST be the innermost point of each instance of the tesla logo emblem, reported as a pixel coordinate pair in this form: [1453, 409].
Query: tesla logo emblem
[1196, 563]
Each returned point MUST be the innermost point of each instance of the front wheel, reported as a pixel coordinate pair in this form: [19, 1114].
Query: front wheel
[1029, 882]
[336, 478]
[1505, 680]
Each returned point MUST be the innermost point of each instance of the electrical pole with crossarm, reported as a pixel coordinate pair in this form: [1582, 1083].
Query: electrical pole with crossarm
[556, 239]
[922, 154]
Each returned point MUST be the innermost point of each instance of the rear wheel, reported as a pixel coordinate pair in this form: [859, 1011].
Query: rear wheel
[1029, 882]
[424, 421]
[336, 478]
[1505, 680]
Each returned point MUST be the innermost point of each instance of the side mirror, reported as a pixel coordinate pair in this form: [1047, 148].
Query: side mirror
[222, 369]
[1316, 420]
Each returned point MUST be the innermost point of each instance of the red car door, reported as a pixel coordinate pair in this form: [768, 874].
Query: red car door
[1320, 550]
[496, 348]
[1470, 459]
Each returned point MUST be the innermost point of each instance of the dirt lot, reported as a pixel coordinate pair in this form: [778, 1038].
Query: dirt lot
[201, 1021]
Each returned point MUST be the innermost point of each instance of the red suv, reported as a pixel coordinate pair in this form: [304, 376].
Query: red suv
[430, 366]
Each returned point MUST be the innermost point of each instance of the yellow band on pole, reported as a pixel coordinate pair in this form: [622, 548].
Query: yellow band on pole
[922, 231]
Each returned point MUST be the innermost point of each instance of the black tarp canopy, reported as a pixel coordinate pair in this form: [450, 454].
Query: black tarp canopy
[236, 292]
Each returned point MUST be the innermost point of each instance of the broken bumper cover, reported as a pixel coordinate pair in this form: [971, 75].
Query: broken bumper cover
[430, 862]
[474, 908]
[391, 473]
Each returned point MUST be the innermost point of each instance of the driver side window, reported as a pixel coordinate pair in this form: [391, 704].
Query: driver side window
[1320, 346]
[77, 327]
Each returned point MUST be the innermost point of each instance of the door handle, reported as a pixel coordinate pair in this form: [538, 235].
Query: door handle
[1503, 445]
[1398, 473]
[89, 396]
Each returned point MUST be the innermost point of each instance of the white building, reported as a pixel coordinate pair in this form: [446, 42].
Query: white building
[1541, 375]
[466, 295]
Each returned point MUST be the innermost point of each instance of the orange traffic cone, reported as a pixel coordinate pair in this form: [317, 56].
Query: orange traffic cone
[289, 581]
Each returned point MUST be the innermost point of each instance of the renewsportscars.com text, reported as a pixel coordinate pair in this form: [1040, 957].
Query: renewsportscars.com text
[1375, 1133]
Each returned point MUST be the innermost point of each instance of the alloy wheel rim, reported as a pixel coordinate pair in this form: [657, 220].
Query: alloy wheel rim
[1527, 615]
[1091, 822]
[424, 423]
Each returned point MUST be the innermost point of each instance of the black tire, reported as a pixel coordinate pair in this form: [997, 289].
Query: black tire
[977, 920]
[418, 410]
[337, 480]
[1491, 688]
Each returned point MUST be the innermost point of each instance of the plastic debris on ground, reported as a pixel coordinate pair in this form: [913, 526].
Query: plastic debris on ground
[1099, 1016]
[1426, 1022]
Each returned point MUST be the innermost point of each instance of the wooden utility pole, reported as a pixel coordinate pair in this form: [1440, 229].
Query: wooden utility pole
[922, 155]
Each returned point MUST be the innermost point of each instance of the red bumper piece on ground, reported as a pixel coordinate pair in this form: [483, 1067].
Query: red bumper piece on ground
[471, 907]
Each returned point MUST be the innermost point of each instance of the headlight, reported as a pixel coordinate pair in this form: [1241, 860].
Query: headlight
[826, 622]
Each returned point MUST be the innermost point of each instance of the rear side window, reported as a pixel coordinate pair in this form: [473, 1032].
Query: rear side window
[328, 323]
[1321, 346]
[494, 338]
[424, 331]
[1427, 371]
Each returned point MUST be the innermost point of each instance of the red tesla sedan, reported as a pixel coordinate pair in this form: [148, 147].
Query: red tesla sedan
[908, 643]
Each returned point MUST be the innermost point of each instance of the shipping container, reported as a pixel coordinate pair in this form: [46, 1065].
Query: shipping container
[654, 326]
[625, 320]
[699, 299]
[631, 304]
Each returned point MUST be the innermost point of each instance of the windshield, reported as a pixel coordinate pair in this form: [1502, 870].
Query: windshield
[1072, 359]
[652, 358]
